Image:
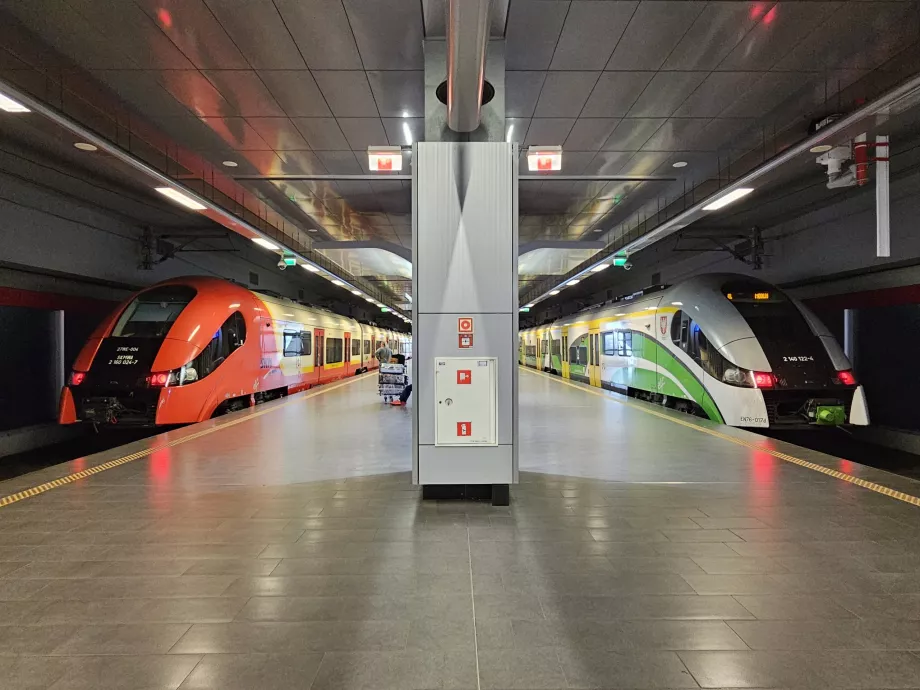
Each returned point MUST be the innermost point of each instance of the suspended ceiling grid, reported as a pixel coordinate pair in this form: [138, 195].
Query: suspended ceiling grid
[304, 86]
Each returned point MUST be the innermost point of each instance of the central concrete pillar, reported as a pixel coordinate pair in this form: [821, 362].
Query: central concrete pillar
[465, 318]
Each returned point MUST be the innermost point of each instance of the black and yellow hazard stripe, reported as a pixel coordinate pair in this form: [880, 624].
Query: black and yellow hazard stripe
[220, 426]
[836, 474]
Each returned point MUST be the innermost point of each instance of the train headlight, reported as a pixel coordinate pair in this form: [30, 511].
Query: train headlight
[187, 374]
[736, 376]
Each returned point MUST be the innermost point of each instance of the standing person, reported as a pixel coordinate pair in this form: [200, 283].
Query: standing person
[384, 354]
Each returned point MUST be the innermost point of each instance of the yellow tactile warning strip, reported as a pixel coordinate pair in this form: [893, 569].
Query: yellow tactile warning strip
[77, 476]
[872, 486]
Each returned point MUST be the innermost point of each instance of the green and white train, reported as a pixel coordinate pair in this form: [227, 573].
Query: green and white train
[728, 347]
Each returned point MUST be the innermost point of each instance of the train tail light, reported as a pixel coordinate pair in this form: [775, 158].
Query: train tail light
[77, 377]
[846, 378]
[764, 379]
[162, 379]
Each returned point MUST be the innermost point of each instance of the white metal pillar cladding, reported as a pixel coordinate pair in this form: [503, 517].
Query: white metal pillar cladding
[464, 256]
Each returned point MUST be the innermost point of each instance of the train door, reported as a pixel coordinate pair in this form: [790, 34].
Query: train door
[319, 350]
[565, 353]
[346, 355]
[594, 360]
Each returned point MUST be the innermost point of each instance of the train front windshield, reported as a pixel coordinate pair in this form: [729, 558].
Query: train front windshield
[152, 313]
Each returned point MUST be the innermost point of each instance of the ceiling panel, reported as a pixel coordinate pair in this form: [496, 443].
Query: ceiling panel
[608, 162]
[340, 162]
[347, 93]
[645, 163]
[398, 93]
[653, 31]
[362, 132]
[770, 90]
[589, 134]
[665, 93]
[389, 33]
[677, 134]
[522, 89]
[301, 162]
[143, 91]
[615, 93]
[404, 131]
[279, 133]
[321, 31]
[590, 33]
[321, 133]
[573, 162]
[296, 92]
[717, 92]
[564, 93]
[193, 90]
[236, 132]
[776, 33]
[549, 131]
[714, 34]
[532, 32]
[516, 129]
[126, 26]
[258, 31]
[245, 92]
[632, 133]
[191, 26]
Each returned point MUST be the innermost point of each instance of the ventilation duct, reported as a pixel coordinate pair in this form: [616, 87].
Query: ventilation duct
[468, 23]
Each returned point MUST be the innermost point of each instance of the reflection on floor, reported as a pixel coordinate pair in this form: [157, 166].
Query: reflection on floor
[291, 551]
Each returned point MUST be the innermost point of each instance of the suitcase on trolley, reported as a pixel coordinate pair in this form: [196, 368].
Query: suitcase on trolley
[391, 381]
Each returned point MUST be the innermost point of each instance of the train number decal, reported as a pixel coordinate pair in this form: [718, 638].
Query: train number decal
[802, 358]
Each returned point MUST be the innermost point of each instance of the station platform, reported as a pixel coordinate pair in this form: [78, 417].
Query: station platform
[285, 547]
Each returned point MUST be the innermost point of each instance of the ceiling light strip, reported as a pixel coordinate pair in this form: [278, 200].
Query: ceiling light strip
[909, 88]
[87, 135]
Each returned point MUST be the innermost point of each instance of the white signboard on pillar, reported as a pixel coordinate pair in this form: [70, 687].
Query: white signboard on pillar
[466, 398]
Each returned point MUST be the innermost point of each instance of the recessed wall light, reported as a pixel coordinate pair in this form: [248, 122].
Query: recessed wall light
[181, 198]
[337, 282]
[554, 292]
[573, 282]
[85, 146]
[262, 242]
[726, 199]
[311, 268]
[11, 106]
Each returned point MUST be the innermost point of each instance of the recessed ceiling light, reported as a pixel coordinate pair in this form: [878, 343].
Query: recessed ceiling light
[11, 106]
[181, 198]
[337, 282]
[85, 146]
[599, 268]
[262, 242]
[821, 148]
[598, 229]
[679, 164]
[230, 164]
[311, 268]
[573, 282]
[311, 229]
[726, 199]
[356, 292]
[554, 292]
[369, 299]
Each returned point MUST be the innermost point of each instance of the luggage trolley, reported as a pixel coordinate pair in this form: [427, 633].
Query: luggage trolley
[391, 381]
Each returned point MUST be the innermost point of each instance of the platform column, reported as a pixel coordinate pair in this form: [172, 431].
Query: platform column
[465, 318]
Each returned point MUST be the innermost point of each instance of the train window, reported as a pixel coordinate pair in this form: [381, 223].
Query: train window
[335, 348]
[579, 354]
[565, 348]
[225, 341]
[530, 350]
[306, 337]
[355, 348]
[609, 344]
[367, 347]
[152, 313]
[293, 344]
[680, 329]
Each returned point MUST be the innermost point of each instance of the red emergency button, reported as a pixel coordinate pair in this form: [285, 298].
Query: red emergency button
[464, 428]
[464, 376]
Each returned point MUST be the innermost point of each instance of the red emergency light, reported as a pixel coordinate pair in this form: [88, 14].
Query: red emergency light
[544, 158]
[384, 158]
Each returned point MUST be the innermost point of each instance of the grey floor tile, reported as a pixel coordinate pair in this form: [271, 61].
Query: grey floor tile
[900, 606]
[730, 523]
[605, 669]
[690, 607]
[232, 566]
[290, 609]
[739, 566]
[844, 669]
[250, 671]
[441, 634]
[494, 633]
[516, 668]
[149, 638]
[32, 673]
[410, 670]
[122, 672]
[735, 584]
[511, 606]
[318, 636]
[18, 640]
[783, 607]
[188, 610]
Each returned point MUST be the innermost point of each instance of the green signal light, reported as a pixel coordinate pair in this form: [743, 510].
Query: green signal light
[290, 260]
[619, 260]
[525, 309]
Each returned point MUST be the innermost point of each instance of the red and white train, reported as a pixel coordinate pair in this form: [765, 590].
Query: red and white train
[188, 349]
